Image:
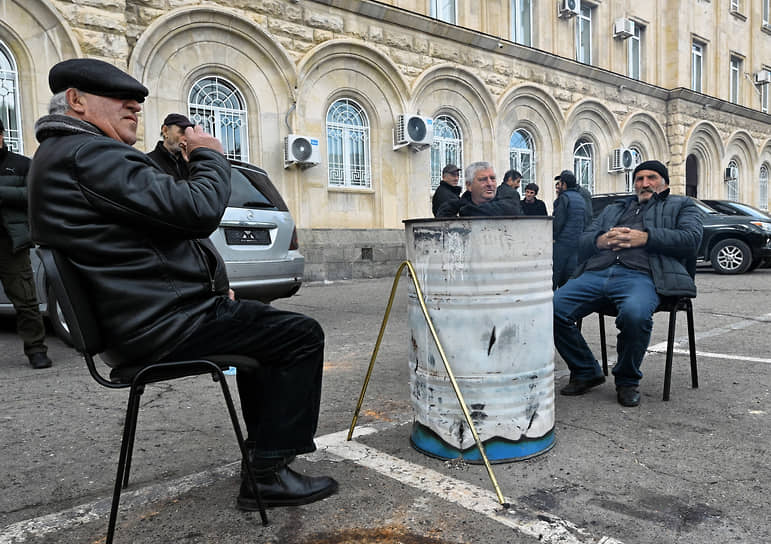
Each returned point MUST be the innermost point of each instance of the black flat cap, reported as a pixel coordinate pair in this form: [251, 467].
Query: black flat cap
[95, 77]
[177, 119]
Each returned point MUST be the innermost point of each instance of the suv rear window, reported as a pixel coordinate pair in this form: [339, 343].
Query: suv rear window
[251, 188]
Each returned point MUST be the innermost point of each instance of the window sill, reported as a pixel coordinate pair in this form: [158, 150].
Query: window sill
[766, 28]
[738, 15]
[354, 190]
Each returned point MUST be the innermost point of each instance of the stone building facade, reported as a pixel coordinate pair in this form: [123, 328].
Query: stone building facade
[341, 72]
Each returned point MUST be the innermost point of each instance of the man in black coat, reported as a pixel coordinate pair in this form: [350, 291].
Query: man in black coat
[15, 267]
[169, 153]
[479, 198]
[133, 233]
[530, 204]
[448, 189]
[570, 220]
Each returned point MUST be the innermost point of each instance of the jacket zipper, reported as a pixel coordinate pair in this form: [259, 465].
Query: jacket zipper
[201, 252]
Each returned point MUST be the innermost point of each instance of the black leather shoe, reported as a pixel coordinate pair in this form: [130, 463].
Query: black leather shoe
[282, 486]
[628, 396]
[39, 360]
[579, 387]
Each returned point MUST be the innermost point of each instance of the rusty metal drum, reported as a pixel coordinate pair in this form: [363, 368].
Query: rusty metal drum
[487, 285]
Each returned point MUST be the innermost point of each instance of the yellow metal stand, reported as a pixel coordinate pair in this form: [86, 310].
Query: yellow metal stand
[467, 415]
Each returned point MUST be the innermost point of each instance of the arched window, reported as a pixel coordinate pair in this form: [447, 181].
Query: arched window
[9, 101]
[583, 164]
[732, 182]
[446, 149]
[522, 155]
[636, 159]
[348, 158]
[763, 188]
[219, 107]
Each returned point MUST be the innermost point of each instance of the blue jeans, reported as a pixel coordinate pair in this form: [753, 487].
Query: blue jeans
[280, 400]
[635, 297]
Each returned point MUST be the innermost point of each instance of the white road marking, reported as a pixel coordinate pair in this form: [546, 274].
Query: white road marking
[663, 349]
[542, 526]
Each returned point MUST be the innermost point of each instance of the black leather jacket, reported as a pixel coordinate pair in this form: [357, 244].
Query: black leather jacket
[132, 231]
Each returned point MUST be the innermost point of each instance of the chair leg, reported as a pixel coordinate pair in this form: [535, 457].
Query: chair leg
[692, 346]
[130, 423]
[670, 352]
[132, 433]
[218, 376]
[603, 345]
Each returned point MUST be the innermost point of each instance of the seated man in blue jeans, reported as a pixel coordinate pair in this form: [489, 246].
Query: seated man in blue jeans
[634, 252]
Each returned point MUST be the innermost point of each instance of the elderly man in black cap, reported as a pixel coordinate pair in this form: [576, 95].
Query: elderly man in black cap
[635, 251]
[15, 266]
[448, 189]
[134, 234]
[169, 153]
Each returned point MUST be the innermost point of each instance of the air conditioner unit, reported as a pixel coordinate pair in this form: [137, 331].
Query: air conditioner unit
[301, 150]
[620, 160]
[569, 8]
[623, 28]
[731, 173]
[414, 130]
[763, 77]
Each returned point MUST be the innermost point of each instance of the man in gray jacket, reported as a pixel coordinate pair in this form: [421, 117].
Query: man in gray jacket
[635, 251]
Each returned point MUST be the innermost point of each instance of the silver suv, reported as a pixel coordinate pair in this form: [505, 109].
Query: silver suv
[257, 239]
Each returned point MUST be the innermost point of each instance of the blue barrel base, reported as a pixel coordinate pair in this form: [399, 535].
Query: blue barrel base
[498, 450]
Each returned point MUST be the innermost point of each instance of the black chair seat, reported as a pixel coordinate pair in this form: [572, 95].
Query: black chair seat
[158, 372]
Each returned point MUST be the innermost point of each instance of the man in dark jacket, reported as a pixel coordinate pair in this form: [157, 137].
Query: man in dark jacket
[479, 198]
[530, 204]
[569, 222]
[635, 251]
[169, 152]
[158, 293]
[448, 189]
[509, 187]
[15, 267]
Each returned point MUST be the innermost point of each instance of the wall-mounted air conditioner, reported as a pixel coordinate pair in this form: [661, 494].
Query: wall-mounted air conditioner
[763, 77]
[413, 130]
[301, 150]
[731, 173]
[569, 8]
[620, 160]
[623, 28]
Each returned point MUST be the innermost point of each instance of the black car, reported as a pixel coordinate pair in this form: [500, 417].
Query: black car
[732, 244]
[729, 207]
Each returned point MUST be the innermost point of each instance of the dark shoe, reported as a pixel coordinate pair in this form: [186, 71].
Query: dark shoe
[39, 360]
[579, 387]
[282, 486]
[628, 395]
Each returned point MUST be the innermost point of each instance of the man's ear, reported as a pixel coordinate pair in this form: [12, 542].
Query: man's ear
[75, 100]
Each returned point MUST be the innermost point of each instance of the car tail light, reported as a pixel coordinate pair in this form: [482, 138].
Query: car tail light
[294, 244]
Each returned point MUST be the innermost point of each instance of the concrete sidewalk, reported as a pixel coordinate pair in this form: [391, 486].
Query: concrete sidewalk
[692, 470]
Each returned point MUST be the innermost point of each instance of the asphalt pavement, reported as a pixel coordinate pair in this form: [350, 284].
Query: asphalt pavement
[693, 470]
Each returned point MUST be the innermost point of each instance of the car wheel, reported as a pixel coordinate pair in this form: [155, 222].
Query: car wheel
[731, 256]
[57, 319]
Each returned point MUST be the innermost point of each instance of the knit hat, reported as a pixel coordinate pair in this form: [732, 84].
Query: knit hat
[656, 166]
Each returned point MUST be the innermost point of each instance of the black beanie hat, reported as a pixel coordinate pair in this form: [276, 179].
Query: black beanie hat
[656, 166]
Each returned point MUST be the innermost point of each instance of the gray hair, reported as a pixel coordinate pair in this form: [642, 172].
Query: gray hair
[471, 170]
[58, 103]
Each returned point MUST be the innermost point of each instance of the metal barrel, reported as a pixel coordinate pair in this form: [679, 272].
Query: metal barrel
[487, 284]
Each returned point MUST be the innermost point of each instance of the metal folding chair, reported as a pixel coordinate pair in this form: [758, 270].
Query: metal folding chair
[74, 303]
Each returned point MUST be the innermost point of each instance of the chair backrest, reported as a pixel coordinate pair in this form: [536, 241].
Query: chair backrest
[73, 299]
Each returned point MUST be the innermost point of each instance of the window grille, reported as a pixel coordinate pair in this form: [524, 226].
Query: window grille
[447, 148]
[583, 164]
[348, 153]
[522, 155]
[219, 107]
[10, 112]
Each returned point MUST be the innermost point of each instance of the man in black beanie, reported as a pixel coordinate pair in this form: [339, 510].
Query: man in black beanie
[635, 251]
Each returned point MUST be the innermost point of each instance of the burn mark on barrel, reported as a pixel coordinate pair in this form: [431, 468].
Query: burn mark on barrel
[532, 418]
[461, 430]
[492, 341]
[478, 415]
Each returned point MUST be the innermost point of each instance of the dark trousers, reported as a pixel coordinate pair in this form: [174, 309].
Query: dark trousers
[19, 287]
[635, 297]
[280, 401]
[564, 263]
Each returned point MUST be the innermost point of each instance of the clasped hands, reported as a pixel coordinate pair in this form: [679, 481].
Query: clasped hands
[618, 238]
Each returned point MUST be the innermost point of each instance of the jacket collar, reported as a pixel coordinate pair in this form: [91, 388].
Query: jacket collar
[63, 125]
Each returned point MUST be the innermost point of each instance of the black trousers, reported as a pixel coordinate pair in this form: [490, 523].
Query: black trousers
[280, 401]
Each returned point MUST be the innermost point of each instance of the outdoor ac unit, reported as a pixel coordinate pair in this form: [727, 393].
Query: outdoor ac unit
[763, 77]
[621, 159]
[414, 130]
[569, 8]
[301, 150]
[731, 173]
[623, 28]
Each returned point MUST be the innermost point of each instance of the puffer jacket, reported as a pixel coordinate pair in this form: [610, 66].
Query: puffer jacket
[569, 217]
[132, 231]
[13, 198]
[674, 226]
